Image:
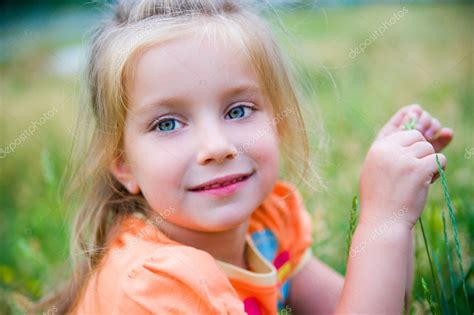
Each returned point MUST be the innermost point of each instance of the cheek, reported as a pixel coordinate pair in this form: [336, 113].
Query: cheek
[159, 173]
[268, 153]
[264, 150]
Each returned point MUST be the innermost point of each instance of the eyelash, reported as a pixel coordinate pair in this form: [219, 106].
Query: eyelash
[155, 124]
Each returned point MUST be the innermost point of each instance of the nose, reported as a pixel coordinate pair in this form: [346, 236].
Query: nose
[216, 146]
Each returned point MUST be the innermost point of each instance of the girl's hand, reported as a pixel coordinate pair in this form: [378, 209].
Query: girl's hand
[430, 127]
[396, 176]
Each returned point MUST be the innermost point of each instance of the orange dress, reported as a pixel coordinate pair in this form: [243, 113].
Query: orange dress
[145, 272]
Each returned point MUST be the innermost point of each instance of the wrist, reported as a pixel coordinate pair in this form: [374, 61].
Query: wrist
[384, 229]
[397, 219]
[379, 237]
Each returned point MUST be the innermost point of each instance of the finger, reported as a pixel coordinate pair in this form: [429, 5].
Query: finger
[421, 149]
[399, 119]
[406, 138]
[442, 139]
[412, 112]
[424, 122]
[431, 166]
[414, 108]
[433, 130]
[408, 121]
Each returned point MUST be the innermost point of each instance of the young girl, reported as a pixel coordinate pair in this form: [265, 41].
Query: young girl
[182, 209]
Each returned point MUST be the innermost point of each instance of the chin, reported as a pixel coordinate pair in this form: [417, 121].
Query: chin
[224, 220]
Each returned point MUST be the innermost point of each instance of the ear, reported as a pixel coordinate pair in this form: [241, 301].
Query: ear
[122, 172]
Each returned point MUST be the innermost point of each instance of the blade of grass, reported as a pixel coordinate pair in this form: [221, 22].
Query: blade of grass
[430, 261]
[455, 228]
[352, 223]
[444, 301]
[450, 264]
[411, 124]
[468, 274]
[427, 294]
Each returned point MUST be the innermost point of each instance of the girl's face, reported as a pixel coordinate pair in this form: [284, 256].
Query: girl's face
[196, 114]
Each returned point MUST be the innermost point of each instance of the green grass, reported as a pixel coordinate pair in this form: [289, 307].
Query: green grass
[433, 276]
[427, 294]
[450, 264]
[352, 223]
[455, 229]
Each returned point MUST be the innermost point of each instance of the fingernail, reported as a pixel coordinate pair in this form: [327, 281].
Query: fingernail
[429, 133]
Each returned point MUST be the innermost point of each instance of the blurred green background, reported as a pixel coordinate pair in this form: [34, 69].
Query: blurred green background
[426, 57]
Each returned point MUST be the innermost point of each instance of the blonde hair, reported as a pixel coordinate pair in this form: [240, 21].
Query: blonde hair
[99, 199]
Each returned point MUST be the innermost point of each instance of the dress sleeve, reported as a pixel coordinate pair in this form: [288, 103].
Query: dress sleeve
[293, 228]
[181, 280]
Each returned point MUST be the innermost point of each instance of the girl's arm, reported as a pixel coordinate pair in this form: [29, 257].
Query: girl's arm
[410, 272]
[394, 183]
[387, 259]
[315, 289]
[376, 276]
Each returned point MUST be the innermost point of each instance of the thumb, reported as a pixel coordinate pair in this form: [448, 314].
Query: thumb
[402, 116]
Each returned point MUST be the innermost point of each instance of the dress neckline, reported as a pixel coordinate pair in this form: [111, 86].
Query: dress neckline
[260, 271]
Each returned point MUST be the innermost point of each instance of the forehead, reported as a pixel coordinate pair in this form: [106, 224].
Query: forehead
[189, 66]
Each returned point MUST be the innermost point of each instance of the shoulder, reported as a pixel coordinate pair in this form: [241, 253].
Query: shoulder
[145, 273]
[179, 278]
[168, 279]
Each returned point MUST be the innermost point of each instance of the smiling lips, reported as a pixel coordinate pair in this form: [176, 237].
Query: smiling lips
[221, 182]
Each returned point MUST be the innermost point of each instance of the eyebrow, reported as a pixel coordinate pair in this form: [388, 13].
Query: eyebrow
[179, 101]
[239, 89]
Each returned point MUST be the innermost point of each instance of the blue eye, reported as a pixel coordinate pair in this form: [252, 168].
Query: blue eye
[169, 125]
[239, 111]
[166, 125]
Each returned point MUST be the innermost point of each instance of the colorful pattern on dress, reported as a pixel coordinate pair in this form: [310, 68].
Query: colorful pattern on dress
[267, 245]
[252, 306]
